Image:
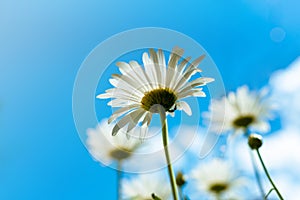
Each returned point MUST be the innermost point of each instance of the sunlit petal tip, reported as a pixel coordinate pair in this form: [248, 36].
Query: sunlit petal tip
[120, 63]
[208, 80]
[196, 62]
[111, 119]
[145, 57]
[198, 70]
[172, 114]
[199, 94]
[115, 130]
[101, 96]
[182, 105]
[177, 50]
[117, 76]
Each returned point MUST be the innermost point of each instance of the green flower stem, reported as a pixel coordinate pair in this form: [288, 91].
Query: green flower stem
[181, 193]
[218, 197]
[257, 176]
[164, 124]
[119, 179]
[256, 173]
[266, 197]
[268, 175]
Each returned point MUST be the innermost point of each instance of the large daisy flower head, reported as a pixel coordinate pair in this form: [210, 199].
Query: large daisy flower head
[217, 178]
[157, 86]
[241, 111]
[105, 148]
[143, 186]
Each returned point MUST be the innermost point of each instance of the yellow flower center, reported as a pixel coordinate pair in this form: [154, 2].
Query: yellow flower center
[243, 121]
[218, 188]
[162, 96]
[120, 154]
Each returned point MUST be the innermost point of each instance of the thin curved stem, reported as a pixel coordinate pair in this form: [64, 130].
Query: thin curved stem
[256, 172]
[119, 178]
[266, 197]
[257, 176]
[268, 175]
[180, 193]
[218, 197]
[164, 125]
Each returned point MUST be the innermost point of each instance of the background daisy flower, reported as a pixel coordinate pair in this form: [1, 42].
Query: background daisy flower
[141, 91]
[241, 111]
[106, 148]
[144, 185]
[218, 179]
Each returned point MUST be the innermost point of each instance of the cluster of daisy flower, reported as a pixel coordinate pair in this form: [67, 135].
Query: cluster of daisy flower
[159, 87]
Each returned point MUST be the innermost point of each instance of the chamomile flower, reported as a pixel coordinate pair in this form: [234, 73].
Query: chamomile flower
[218, 179]
[158, 86]
[241, 111]
[144, 185]
[106, 148]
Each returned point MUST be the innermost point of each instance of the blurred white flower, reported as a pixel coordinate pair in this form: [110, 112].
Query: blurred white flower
[106, 148]
[241, 111]
[144, 185]
[141, 92]
[218, 179]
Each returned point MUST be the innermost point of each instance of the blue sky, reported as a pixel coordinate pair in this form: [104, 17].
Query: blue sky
[43, 43]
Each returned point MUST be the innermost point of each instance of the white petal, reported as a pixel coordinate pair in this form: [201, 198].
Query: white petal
[172, 114]
[193, 84]
[156, 66]
[121, 111]
[162, 66]
[121, 103]
[183, 63]
[195, 92]
[140, 72]
[148, 65]
[131, 117]
[261, 126]
[147, 119]
[182, 105]
[172, 64]
[103, 96]
[135, 119]
[127, 83]
[185, 77]
[197, 61]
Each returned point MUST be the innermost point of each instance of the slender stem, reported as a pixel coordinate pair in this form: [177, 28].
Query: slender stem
[257, 176]
[164, 124]
[268, 193]
[119, 178]
[218, 197]
[268, 175]
[180, 193]
[256, 173]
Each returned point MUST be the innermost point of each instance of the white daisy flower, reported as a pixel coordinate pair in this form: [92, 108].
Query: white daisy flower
[106, 148]
[241, 111]
[144, 185]
[218, 179]
[138, 90]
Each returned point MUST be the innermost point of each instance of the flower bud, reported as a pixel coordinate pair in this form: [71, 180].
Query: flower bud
[180, 180]
[255, 141]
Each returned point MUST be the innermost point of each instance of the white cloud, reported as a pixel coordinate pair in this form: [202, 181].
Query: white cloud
[286, 93]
